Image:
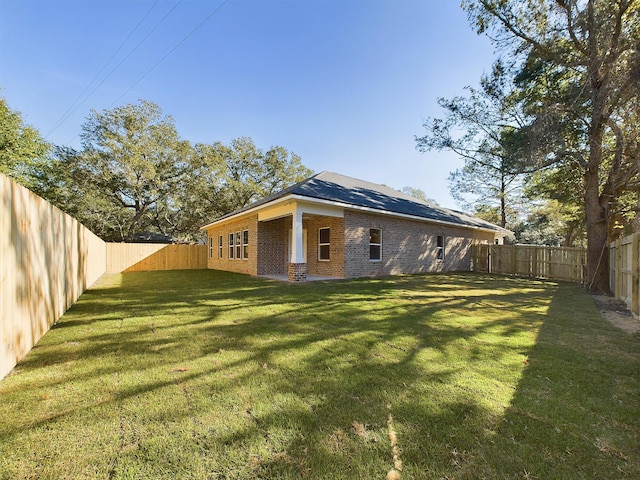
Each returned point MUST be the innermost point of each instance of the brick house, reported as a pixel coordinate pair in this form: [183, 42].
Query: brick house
[337, 226]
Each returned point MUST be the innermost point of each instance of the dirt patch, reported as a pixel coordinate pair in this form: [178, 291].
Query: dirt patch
[617, 312]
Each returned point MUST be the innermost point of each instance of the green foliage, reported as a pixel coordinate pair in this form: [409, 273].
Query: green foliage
[23, 152]
[206, 374]
[245, 173]
[490, 213]
[557, 207]
[134, 173]
[132, 159]
[478, 187]
[546, 224]
[419, 194]
[475, 128]
[576, 67]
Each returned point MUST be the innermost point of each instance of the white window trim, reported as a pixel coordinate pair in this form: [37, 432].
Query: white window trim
[375, 244]
[220, 247]
[440, 250]
[232, 245]
[238, 246]
[245, 257]
[324, 244]
[210, 247]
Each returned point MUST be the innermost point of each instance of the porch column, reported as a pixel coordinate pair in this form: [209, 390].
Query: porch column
[297, 268]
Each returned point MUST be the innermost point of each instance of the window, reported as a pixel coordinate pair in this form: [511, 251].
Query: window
[440, 248]
[220, 246]
[375, 244]
[245, 244]
[238, 246]
[324, 244]
[231, 244]
[210, 247]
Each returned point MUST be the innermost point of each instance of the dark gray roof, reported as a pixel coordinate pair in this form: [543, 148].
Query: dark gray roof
[359, 193]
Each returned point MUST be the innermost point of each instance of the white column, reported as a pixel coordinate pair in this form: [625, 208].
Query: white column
[296, 240]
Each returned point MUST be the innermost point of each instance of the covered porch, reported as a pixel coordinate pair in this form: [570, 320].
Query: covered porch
[290, 245]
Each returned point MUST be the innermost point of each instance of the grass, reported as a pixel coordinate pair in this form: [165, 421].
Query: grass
[212, 375]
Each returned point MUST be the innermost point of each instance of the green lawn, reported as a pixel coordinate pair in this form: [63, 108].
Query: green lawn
[204, 374]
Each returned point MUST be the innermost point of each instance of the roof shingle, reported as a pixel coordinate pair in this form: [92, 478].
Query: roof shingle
[338, 188]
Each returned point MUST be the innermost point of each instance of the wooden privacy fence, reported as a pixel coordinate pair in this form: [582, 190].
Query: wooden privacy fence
[553, 263]
[47, 259]
[144, 257]
[624, 270]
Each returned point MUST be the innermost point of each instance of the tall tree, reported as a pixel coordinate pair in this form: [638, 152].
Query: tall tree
[578, 65]
[134, 173]
[479, 186]
[132, 159]
[23, 152]
[475, 128]
[245, 173]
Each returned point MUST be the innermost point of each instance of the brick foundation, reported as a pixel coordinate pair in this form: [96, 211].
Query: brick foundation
[297, 272]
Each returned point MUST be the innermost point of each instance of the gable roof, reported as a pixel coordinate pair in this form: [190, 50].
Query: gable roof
[348, 191]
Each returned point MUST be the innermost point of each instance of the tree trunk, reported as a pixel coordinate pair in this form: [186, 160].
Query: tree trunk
[568, 236]
[596, 204]
[597, 240]
[134, 222]
[503, 203]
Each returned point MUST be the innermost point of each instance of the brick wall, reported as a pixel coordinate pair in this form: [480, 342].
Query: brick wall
[249, 265]
[273, 237]
[335, 266]
[273, 248]
[297, 272]
[407, 246]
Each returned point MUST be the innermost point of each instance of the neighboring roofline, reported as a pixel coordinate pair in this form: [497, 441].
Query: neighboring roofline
[295, 196]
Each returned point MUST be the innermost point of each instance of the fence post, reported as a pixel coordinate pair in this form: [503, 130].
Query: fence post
[612, 268]
[635, 273]
[619, 272]
[554, 263]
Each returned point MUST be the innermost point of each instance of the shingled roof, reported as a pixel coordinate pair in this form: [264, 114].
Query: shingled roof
[353, 192]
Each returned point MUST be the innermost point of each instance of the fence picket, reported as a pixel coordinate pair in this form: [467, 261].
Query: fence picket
[624, 273]
[553, 263]
[140, 257]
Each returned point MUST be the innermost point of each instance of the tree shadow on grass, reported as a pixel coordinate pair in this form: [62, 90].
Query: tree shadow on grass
[574, 412]
[250, 378]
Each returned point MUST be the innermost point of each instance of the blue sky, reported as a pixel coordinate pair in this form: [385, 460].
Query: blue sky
[345, 84]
